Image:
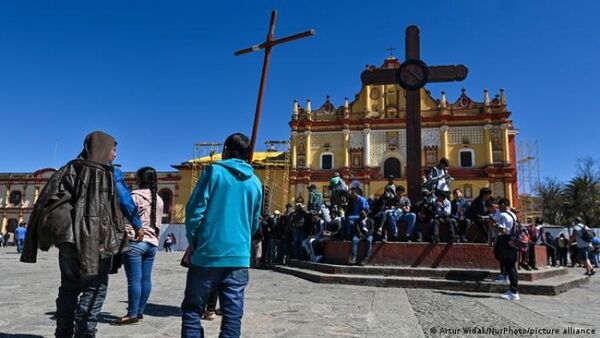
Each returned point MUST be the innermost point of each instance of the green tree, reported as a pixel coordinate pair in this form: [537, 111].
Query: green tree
[582, 192]
[550, 191]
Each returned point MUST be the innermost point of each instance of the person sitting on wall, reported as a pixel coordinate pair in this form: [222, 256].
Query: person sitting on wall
[359, 204]
[364, 230]
[400, 213]
[478, 214]
[460, 205]
[317, 226]
[438, 177]
[442, 214]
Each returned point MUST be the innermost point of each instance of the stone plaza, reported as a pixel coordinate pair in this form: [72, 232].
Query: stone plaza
[279, 305]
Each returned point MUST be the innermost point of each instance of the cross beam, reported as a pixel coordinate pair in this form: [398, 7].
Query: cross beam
[269, 43]
[412, 75]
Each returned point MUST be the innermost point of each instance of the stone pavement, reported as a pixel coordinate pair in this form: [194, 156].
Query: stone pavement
[279, 305]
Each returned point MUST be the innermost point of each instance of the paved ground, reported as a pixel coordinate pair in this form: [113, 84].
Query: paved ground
[279, 305]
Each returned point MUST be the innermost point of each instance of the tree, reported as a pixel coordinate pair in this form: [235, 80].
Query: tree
[582, 193]
[551, 193]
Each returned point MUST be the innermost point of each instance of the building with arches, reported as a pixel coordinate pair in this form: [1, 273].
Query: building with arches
[19, 192]
[365, 139]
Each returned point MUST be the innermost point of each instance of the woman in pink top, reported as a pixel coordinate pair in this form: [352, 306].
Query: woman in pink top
[138, 260]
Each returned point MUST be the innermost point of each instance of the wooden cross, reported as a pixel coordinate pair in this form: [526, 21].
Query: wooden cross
[412, 75]
[267, 45]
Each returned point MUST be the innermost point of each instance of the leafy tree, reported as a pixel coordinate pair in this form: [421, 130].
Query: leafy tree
[550, 191]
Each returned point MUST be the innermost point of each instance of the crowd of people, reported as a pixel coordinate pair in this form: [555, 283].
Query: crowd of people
[98, 225]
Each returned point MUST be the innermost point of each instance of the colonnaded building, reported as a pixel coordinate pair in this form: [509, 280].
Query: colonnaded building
[363, 140]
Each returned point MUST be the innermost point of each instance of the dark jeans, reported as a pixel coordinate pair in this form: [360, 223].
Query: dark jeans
[562, 256]
[298, 236]
[551, 253]
[531, 255]
[275, 251]
[80, 298]
[451, 227]
[138, 263]
[507, 256]
[201, 281]
[356, 240]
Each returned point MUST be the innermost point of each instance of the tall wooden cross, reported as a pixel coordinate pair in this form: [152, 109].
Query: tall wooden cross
[267, 45]
[412, 75]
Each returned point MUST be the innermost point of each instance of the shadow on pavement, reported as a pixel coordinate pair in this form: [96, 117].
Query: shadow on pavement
[19, 335]
[462, 294]
[158, 310]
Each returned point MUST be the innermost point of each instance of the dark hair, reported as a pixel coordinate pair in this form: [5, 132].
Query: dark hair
[504, 201]
[400, 188]
[455, 190]
[390, 177]
[444, 161]
[238, 146]
[485, 191]
[147, 179]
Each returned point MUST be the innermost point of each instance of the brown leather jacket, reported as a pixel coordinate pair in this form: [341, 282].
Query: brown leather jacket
[78, 205]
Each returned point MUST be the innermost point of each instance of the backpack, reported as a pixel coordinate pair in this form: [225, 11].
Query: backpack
[519, 236]
[587, 234]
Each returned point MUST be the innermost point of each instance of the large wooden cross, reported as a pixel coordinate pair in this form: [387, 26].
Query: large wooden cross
[412, 75]
[267, 45]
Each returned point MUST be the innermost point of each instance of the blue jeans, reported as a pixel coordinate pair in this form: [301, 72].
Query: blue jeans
[138, 263]
[356, 240]
[274, 251]
[410, 219]
[201, 281]
[348, 229]
[20, 243]
[298, 237]
[80, 298]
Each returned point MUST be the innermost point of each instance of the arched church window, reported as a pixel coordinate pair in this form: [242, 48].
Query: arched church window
[16, 197]
[327, 161]
[391, 166]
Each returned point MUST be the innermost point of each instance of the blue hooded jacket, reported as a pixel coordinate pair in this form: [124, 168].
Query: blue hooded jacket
[223, 214]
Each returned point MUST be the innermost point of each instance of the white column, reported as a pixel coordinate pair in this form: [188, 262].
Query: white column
[367, 147]
[293, 154]
[307, 151]
[346, 133]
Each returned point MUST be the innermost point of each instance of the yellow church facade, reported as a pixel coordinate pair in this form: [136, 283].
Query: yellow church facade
[365, 140]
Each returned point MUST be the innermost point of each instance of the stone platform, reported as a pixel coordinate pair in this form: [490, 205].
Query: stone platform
[546, 281]
[441, 255]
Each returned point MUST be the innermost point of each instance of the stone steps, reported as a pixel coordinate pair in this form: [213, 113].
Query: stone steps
[404, 271]
[552, 285]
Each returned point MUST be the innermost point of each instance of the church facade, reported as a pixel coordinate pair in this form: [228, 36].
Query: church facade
[365, 140]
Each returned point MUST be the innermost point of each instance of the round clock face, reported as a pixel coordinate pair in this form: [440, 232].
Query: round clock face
[374, 93]
[413, 74]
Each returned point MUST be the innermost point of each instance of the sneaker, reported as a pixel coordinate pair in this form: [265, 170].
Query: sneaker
[501, 279]
[384, 240]
[125, 320]
[364, 261]
[318, 258]
[508, 295]
[352, 261]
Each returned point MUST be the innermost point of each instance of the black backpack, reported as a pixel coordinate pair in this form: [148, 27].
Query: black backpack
[587, 234]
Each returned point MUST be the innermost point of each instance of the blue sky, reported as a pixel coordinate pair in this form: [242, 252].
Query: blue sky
[161, 75]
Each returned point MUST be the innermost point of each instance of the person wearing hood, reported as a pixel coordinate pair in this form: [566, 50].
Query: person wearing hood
[221, 216]
[80, 211]
[143, 245]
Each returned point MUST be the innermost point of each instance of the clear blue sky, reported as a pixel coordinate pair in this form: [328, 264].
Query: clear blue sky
[161, 75]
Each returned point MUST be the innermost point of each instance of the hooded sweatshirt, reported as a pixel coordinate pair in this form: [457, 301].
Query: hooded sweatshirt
[143, 200]
[223, 214]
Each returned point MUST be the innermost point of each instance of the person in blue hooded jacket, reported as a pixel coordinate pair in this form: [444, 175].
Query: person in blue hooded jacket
[221, 217]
